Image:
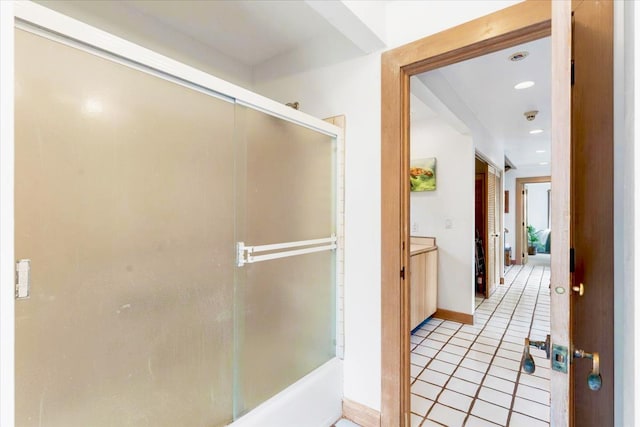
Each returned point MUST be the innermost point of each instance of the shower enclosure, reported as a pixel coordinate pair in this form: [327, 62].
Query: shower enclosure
[178, 245]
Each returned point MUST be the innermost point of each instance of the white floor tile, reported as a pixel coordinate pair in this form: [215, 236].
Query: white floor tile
[437, 345]
[520, 420]
[460, 342]
[415, 339]
[450, 348]
[439, 337]
[489, 349]
[499, 384]
[533, 409]
[415, 370]
[426, 390]
[535, 394]
[514, 365]
[447, 416]
[449, 357]
[488, 341]
[490, 412]
[445, 331]
[420, 405]
[478, 422]
[455, 400]
[478, 355]
[466, 336]
[440, 366]
[485, 359]
[468, 375]
[462, 386]
[476, 365]
[433, 377]
[425, 351]
[500, 372]
[416, 420]
[495, 396]
[419, 360]
[537, 382]
[508, 354]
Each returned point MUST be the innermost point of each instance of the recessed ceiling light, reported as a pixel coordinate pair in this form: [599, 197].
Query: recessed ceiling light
[543, 163]
[541, 151]
[524, 85]
[535, 131]
[518, 56]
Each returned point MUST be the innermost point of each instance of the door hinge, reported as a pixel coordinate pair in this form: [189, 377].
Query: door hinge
[573, 72]
[572, 260]
[402, 273]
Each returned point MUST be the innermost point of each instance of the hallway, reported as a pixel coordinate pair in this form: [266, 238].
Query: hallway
[469, 375]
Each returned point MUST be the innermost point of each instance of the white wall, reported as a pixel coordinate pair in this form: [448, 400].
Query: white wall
[538, 203]
[626, 214]
[127, 22]
[7, 259]
[510, 185]
[352, 87]
[409, 20]
[448, 212]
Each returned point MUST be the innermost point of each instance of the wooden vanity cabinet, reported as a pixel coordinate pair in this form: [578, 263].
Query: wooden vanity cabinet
[423, 270]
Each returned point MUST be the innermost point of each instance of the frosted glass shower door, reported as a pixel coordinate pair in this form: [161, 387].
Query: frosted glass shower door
[285, 305]
[125, 207]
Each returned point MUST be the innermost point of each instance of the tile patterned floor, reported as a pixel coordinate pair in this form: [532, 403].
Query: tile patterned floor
[469, 375]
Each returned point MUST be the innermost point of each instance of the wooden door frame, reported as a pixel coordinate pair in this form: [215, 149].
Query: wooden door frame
[520, 23]
[520, 183]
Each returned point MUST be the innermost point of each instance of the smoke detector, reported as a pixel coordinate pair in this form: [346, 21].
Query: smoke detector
[531, 115]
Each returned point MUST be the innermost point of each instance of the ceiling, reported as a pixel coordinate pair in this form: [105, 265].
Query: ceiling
[485, 85]
[248, 31]
[252, 32]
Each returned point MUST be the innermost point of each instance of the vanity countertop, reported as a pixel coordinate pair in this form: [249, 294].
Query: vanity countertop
[416, 249]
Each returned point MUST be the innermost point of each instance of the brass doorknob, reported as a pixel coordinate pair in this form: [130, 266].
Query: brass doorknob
[594, 380]
[579, 289]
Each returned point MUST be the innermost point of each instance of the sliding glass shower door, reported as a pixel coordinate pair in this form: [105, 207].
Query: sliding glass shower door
[181, 246]
[124, 206]
[286, 213]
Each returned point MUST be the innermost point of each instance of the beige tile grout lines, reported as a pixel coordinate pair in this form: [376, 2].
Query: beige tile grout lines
[524, 271]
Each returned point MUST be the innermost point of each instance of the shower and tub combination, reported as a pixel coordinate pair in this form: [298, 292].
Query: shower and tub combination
[178, 239]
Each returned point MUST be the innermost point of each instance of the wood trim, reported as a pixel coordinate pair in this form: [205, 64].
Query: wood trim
[520, 23]
[420, 240]
[360, 414]
[506, 201]
[561, 202]
[520, 182]
[592, 211]
[454, 316]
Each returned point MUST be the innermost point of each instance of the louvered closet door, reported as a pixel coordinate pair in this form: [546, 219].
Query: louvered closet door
[499, 228]
[491, 231]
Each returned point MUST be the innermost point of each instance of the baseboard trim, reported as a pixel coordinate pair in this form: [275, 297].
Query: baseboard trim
[454, 316]
[360, 414]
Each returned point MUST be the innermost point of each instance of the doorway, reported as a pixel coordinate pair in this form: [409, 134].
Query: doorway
[468, 372]
[519, 23]
[523, 220]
